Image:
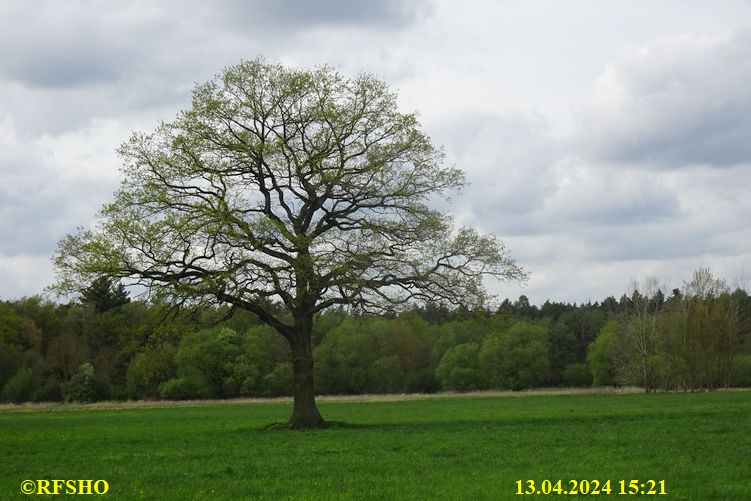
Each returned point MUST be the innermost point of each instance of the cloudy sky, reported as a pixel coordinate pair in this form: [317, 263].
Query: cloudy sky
[604, 140]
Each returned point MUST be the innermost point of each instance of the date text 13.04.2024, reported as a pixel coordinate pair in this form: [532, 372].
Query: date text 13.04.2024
[594, 487]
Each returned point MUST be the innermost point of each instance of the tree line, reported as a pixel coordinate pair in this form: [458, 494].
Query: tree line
[106, 347]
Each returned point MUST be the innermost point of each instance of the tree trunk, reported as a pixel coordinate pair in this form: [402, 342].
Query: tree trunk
[305, 411]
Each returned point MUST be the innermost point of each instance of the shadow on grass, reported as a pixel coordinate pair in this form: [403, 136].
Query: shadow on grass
[328, 425]
[665, 416]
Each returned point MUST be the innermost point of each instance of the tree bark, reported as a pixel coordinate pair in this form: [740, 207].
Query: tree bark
[305, 413]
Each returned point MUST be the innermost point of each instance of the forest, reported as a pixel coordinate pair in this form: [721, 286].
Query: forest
[107, 346]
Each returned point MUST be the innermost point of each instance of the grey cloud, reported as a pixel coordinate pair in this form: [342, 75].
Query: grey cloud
[304, 13]
[64, 44]
[680, 101]
[71, 62]
[699, 226]
[592, 196]
[29, 227]
[522, 182]
[74, 55]
[508, 161]
[637, 210]
[49, 111]
[37, 213]
[577, 223]
[61, 69]
[648, 242]
[664, 242]
[41, 201]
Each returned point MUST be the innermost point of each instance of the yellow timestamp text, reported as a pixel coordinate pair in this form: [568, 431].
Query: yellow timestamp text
[594, 487]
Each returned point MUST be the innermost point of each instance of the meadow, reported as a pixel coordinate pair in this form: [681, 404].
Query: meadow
[433, 448]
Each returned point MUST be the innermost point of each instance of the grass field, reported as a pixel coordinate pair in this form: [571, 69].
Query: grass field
[447, 448]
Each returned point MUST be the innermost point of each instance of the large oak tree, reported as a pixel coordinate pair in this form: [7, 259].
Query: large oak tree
[294, 187]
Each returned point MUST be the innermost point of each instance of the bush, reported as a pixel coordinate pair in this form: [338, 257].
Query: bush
[83, 386]
[148, 370]
[516, 358]
[375, 355]
[279, 381]
[408, 338]
[742, 372]
[215, 359]
[462, 379]
[242, 377]
[182, 388]
[602, 356]
[387, 375]
[119, 392]
[458, 369]
[577, 375]
[10, 362]
[23, 386]
[343, 358]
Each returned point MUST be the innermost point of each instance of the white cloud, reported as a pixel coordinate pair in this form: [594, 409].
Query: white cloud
[682, 100]
[508, 161]
[29, 274]
[591, 132]
[52, 184]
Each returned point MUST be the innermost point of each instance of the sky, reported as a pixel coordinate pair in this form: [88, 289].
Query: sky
[604, 141]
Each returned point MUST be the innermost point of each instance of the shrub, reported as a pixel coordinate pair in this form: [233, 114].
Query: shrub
[182, 388]
[516, 358]
[242, 377]
[215, 359]
[458, 369]
[148, 370]
[742, 371]
[602, 356]
[279, 381]
[10, 362]
[387, 375]
[343, 358]
[23, 386]
[82, 387]
[577, 374]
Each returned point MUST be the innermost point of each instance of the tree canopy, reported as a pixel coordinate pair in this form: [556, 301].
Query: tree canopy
[298, 187]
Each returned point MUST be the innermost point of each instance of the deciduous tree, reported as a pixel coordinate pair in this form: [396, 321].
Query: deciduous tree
[300, 187]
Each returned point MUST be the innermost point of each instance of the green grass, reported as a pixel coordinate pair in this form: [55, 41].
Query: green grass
[451, 448]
